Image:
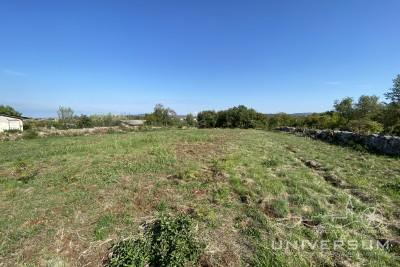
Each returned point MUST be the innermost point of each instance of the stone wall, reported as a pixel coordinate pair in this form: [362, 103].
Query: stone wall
[382, 144]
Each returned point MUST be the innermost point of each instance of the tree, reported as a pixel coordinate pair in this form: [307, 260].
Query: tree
[391, 119]
[368, 107]
[394, 93]
[207, 119]
[65, 114]
[7, 110]
[161, 116]
[190, 120]
[345, 108]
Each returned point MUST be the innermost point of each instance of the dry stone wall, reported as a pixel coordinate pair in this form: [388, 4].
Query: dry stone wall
[382, 144]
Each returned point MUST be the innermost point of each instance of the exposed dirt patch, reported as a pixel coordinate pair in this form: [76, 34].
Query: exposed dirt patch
[361, 195]
[334, 180]
[192, 151]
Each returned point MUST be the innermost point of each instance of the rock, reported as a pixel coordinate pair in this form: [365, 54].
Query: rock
[313, 164]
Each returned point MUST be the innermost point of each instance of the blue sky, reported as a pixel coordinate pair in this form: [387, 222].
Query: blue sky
[126, 56]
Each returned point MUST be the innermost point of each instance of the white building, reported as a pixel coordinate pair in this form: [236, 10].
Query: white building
[133, 122]
[10, 123]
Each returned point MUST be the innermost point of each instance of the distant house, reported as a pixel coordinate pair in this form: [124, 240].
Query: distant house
[8, 123]
[133, 122]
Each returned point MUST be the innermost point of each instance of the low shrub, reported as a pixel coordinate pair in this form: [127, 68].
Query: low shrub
[365, 126]
[169, 241]
[30, 134]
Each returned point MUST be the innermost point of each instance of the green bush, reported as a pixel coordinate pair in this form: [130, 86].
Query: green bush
[365, 126]
[169, 241]
[84, 122]
[30, 134]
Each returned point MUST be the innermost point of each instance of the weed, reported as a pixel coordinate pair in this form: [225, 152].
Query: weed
[169, 241]
[103, 226]
[271, 162]
[162, 206]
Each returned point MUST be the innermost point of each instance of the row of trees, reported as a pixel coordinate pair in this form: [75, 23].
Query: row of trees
[366, 115]
[236, 117]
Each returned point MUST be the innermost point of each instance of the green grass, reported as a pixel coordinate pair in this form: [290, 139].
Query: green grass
[66, 200]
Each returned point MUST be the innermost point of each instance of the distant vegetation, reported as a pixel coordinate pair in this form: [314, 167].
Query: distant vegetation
[366, 115]
[7, 110]
[236, 117]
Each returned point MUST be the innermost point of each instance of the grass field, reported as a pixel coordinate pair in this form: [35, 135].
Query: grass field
[65, 200]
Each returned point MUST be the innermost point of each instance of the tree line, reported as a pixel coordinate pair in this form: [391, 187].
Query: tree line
[366, 115]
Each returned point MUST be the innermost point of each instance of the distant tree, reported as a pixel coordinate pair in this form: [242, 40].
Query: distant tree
[65, 114]
[207, 119]
[240, 117]
[394, 93]
[345, 108]
[190, 120]
[161, 116]
[368, 107]
[84, 122]
[7, 110]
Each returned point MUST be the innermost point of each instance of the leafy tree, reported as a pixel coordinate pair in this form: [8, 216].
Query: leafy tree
[65, 114]
[368, 107]
[7, 110]
[207, 119]
[345, 108]
[240, 117]
[394, 93]
[190, 120]
[391, 119]
[161, 116]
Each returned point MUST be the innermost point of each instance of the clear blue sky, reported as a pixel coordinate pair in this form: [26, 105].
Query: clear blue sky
[125, 56]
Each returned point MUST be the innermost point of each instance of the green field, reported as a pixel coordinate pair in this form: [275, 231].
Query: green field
[65, 200]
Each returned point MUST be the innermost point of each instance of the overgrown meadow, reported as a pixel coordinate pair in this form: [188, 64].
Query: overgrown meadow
[196, 197]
